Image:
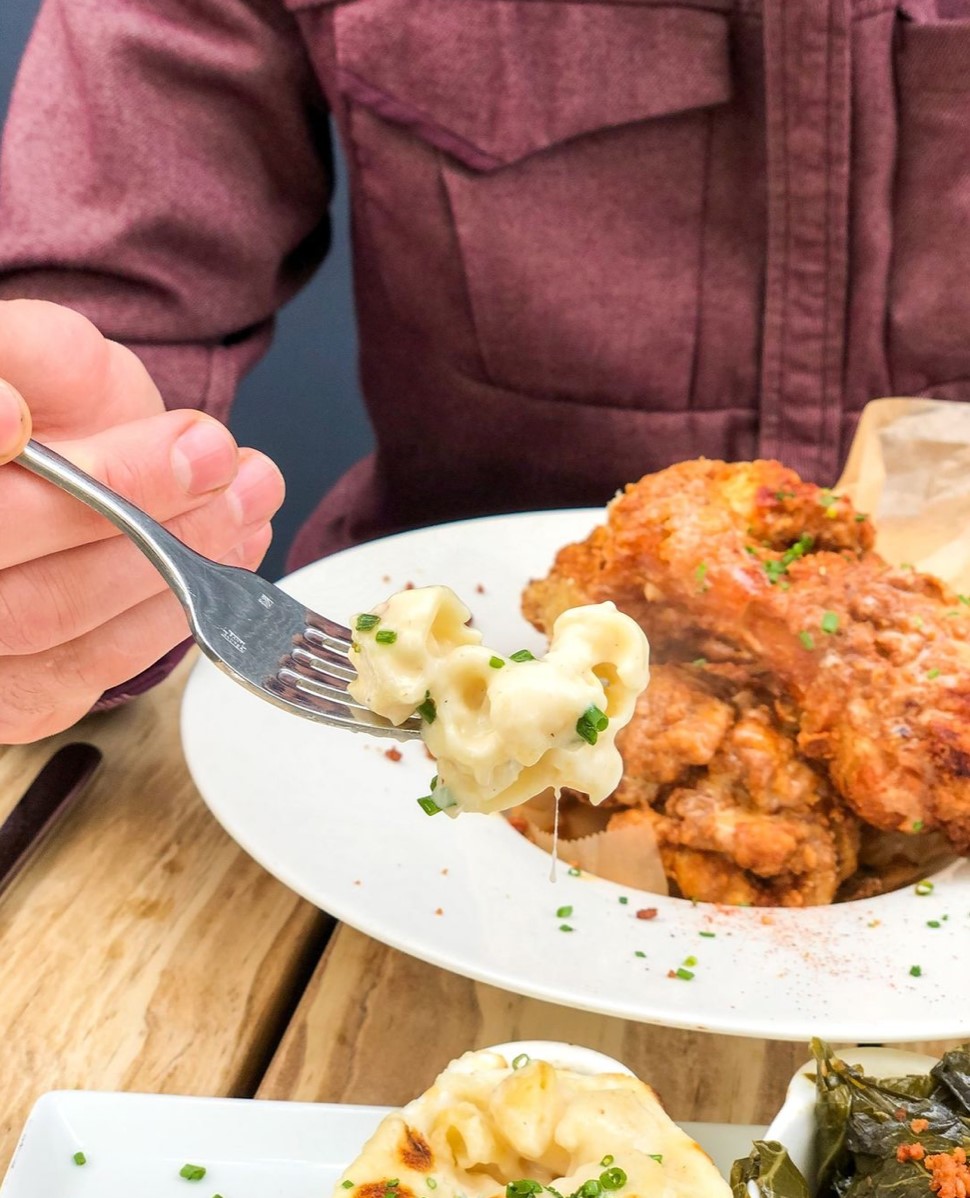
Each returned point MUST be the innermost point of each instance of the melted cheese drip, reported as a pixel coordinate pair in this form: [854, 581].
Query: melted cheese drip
[503, 734]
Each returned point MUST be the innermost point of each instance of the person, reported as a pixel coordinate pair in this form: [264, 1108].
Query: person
[591, 237]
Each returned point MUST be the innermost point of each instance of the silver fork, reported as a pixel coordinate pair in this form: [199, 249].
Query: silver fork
[254, 632]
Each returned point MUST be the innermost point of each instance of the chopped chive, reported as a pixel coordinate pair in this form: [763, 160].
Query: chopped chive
[613, 1179]
[522, 1188]
[700, 573]
[638, 952]
[591, 723]
[826, 499]
[432, 1184]
[434, 783]
[428, 805]
[79, 1158]
[386, 637]
[781, 496]
[192, 1172]
[917, 825]
[607, 1161]
[860, 516]
[933, 923]
[366, 622]
[923, 888]
[564, 912]
[348, 1184]
[656, 1156]
[564, 927]
[623, 899]
[522, 655]
[520, 1060]
[496, 662]
[589, 1189]
[916, 971]
[964, 599]
[574, 872]
[685, 975]
[807, 639]
[707, 935]
[699, 662]
[392, 1182]
[355, 646]
[690, 960]
[830, 622]
[931, 674]
[427, 710]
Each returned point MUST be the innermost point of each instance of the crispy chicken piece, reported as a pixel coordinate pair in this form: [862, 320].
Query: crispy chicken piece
[739, 816]
[779, 578]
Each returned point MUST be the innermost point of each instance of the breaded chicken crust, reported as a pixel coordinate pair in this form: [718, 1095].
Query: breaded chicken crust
[860, 671]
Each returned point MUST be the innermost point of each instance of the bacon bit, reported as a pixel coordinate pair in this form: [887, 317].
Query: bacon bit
[393, 754]
[671, 973]
[444, 873]
[899, 1115]
[358, 882]
[910, 1152]
[647, 913]
[479, 589]
[917, 1126]
[386, 578]
[409, 586]
[439, 911]
[950, 1177]
[768, 920]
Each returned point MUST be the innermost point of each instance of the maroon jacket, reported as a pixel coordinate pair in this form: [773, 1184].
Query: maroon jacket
[590, 236]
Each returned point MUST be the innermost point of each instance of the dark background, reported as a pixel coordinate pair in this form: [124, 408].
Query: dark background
[301, 404]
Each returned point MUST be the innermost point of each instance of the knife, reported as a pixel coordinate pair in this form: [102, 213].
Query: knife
[49, 797]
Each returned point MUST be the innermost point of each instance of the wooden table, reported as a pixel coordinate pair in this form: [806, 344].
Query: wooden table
[143, 951]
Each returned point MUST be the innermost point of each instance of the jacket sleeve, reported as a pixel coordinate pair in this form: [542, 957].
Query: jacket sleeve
[166, 170]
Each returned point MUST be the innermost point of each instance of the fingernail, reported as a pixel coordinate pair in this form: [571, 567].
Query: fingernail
[14, 419]
[204, 457]
[257, 490]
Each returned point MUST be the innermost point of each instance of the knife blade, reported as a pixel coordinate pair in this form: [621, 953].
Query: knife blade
[45, 801]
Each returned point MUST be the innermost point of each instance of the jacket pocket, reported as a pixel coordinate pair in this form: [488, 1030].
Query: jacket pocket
[554, 153]
[929, 316]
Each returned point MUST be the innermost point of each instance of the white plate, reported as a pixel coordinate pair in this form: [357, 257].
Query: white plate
[136, 1144]
[331, 816]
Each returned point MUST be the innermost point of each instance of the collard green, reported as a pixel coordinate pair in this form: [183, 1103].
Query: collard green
[866, 1130]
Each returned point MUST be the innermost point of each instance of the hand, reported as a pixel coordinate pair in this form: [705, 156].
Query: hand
[81, 609]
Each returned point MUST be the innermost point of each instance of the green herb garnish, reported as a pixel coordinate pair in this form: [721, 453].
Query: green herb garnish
[638, 952]
[564, 927]
[591, 723]
[427, 710]
[830, 622]
[707, 935]
[613, 1179]
[520, 1060]
[685, 975]
[348, 1184]
[916, 971]
[690, 960]
[366, 622]
[79, 1158]
[923, 888]
[386, 637]
[496, 663]
[807, 639]
[623, 899]
[564, 912]
[428, 805]
[522, 655]
[656, 1156]
[192, 1172]
[931, 674]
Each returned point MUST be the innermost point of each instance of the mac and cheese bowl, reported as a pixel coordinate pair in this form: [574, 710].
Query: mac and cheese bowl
[523, 1120]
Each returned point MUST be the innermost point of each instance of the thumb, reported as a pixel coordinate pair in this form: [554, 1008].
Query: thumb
[15, 423]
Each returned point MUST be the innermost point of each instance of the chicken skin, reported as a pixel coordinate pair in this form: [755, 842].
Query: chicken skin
[862, 669]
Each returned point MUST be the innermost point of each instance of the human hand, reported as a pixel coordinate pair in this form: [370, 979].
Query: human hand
[81, 609]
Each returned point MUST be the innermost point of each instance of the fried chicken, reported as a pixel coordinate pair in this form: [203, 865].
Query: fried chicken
[776, 583]
[738, 815]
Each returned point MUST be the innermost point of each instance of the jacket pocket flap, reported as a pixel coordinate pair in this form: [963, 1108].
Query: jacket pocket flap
[493, 81]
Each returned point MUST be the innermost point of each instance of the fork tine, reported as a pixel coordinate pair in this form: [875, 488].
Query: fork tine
[326, 663]
[291, 673]
[326, 634]
[337, 713]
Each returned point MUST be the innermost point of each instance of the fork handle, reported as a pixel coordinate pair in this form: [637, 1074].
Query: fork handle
[166, 552]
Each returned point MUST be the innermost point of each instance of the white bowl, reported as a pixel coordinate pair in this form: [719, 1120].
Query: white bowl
[561, 1055]
[794, 1125]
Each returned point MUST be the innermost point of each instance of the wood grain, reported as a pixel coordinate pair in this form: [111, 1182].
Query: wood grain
[375, 1026]
[142, 949]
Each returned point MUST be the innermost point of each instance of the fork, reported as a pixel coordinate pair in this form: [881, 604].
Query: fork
[262, 638]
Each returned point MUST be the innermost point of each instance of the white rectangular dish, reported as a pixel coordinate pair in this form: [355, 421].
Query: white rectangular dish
[135, 1144]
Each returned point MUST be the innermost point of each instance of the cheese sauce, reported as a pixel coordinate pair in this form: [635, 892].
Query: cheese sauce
[503, 728]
